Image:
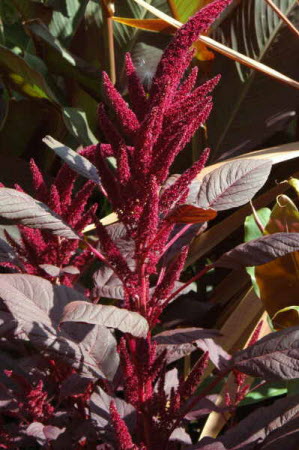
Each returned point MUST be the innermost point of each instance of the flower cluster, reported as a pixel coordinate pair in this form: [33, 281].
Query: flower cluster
[145, 139]
[38, 250]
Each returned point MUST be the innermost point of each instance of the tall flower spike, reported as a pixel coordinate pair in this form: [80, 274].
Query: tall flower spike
[164, 164]
[174, 62]
[113, 253]
[148, 223]
[179, 187]
[164, 289]
[38, 182]
[136, 92]
[123, 437]
[125, 116]
[186, 86]
[192, 99]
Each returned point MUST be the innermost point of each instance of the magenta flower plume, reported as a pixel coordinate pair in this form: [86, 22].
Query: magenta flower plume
[38, 247]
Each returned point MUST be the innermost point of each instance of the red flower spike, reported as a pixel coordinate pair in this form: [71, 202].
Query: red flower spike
[113, 254]
[194, 98]
[187, 387]
[186, 86]
[164, 289]
[122, 434]
[148, 223]
[39, 185]
[178, 188]
[164, 164]
[54, 200]
[126, 117]
[136, 92]
[75, 211]
[174, 61]
[64, 183]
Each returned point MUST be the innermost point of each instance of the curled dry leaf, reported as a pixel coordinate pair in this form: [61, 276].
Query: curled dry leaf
[191, 214]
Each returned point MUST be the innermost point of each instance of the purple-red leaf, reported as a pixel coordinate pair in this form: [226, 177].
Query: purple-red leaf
[260, 251]
[183, 341]
[106, 315]
[233, 184]
[253, 430]
[18, 207]
[76, 162]
[274, 357]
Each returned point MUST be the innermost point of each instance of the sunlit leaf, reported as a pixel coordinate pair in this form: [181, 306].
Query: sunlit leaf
[18, 207]
[109, 316]
[278, 280]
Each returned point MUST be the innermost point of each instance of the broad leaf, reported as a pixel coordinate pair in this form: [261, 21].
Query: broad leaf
[184, 341]
[286, 436]
[109, 316]
[75, 161]
[18, 207]
[260, 251]
[278, 280]
[107, 284]
[254, 29]
[233, 184]
[22, 77]
[36, 305]
[60, 61]
[253, 430]
[252, 231]
[98, 342]
[100, 409]
[48, 297]
[274, 357]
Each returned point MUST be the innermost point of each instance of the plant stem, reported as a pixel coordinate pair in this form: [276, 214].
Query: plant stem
[108, 10]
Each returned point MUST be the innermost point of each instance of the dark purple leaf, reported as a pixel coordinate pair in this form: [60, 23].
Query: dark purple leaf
[253, 430]
[100, 405]
[260, 251]
[47, 297]
[204, 407]
[188, 310]
[284, 437]
[233, 184]
[106, 315]
[107, 284]
[7, 401]
[98, 342]
[274, 357]
[183, 341]
[75, 161]
[184, 335]
[18, 207]
[73, 385]
[207, 443]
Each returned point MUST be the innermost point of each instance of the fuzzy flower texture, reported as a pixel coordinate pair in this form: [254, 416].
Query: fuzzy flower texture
[145, 141]
[144, 138]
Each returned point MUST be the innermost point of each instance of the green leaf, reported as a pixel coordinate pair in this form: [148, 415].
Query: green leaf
[66, 18]
[252, 231]
[76, 122]
[253, 106]
[21, 77]
[265, 392]
[61, 62]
